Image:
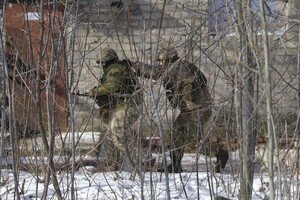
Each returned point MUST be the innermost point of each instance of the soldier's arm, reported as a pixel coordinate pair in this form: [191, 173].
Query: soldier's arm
[147, 71]
[111, 84]
[200, 78]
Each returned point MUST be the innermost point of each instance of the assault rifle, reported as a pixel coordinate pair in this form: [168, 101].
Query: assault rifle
[86, 94]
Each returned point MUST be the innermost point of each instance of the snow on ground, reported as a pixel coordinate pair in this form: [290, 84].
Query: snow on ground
[118, 185]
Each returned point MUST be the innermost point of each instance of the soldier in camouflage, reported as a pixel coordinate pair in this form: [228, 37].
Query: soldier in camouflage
[186, 89]
[118, 107]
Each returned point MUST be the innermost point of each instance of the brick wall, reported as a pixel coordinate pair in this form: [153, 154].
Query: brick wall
[133, 29]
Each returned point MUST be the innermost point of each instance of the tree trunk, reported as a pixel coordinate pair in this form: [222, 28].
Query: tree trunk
[244, 97]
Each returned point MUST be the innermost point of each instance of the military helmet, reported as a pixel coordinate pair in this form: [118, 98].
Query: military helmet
[108, 55]
[167, 54]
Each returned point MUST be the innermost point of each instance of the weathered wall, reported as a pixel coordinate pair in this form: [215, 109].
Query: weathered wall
[292, 11]
[135, 31]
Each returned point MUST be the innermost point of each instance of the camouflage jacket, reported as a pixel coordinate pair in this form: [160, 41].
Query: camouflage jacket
[186, 86]
[117, 84]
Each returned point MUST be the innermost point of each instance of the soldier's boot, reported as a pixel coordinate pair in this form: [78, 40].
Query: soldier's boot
[176, 158]
[222, 158]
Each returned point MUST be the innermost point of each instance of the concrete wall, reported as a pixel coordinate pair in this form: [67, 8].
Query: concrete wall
[134, 30]
[292, 11]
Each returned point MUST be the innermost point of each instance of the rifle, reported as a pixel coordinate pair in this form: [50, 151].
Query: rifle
[86, 94]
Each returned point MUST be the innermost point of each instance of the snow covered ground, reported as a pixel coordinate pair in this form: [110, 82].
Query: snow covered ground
[203, 184]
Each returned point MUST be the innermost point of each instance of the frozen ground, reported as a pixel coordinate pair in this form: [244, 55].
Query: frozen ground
[117, 185]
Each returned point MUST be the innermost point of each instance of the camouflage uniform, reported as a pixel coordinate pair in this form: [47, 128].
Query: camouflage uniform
[118, 108]
[187, 90]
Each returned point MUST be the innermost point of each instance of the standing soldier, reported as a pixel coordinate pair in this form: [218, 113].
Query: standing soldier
[118, 105]
[187, 90]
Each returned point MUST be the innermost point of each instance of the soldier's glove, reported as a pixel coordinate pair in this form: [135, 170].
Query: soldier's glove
[173, 100]
[91, 92]
[136, 68]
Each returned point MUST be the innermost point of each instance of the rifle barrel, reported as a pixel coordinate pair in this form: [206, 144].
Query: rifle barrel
[80, 94]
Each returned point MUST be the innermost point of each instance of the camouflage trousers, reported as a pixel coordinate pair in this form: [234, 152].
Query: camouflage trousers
[121, 141]
[189, 131]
